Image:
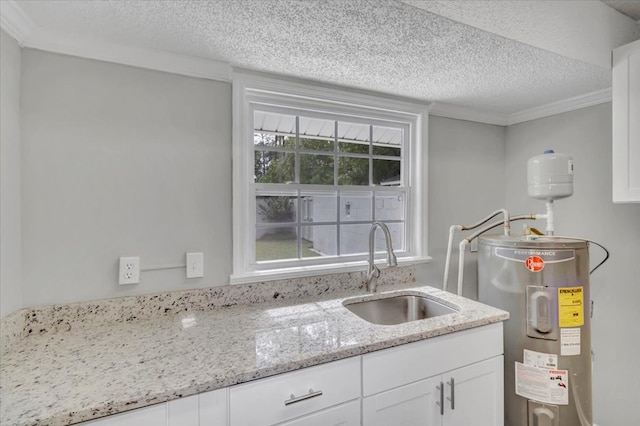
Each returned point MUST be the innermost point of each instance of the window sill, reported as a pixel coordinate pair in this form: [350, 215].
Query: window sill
[308, 271]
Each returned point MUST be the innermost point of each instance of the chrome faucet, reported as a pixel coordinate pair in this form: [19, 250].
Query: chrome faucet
[374, 272]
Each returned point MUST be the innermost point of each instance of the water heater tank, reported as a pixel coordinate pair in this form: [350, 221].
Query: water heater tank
[550, 176]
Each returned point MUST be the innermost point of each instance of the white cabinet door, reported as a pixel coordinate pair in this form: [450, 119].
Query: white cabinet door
[411, 405]
[474, 394]
[626, 124]
[343, 415]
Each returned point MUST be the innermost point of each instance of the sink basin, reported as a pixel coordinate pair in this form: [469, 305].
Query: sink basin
[397, 309]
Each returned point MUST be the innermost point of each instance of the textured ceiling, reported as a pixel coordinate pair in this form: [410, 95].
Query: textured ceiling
[391, 46]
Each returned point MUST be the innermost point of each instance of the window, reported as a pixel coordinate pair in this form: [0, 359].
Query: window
[313, 169]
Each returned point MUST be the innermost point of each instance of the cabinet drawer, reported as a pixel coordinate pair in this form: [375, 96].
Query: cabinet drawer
[390, 368]
[288, 395]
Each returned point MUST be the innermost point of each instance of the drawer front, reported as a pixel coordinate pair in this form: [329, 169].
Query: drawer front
[289, 395]
[398, 366]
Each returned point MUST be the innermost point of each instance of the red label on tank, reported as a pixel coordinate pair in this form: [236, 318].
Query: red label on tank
[534, 263]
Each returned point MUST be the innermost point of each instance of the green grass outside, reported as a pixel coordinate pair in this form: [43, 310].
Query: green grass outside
[276, 247]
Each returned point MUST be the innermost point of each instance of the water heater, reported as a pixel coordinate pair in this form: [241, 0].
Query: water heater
[544, 284]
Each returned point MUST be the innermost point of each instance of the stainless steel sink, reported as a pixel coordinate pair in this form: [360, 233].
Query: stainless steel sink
[397, 309]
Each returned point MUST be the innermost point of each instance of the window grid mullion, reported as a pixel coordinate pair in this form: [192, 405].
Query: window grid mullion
[336, 183]
[373, 193]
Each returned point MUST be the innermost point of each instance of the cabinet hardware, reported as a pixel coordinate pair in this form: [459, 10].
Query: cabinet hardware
[453, 391]
[295, 399]
[440, 403]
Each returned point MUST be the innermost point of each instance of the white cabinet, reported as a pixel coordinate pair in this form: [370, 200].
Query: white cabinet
[455, 380]
[626, 123]
[299, 393]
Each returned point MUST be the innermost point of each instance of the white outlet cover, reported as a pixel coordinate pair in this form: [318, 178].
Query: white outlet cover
[129, 271]
[195, 265]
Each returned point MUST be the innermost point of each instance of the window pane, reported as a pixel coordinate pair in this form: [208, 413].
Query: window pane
[353, 171]
[276, 209]
[355, 206]
[386, 172]
[387, 141]
[316, 169]
[390, 206]
[354, 239]
[276, 243]
[353, 137]
[319, 241]
[319, 207]
[274, 167]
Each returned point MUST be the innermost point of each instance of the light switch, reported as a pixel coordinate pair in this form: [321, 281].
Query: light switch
[195, 265]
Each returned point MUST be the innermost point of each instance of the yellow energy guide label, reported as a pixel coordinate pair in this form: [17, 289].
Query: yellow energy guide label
[571, 306]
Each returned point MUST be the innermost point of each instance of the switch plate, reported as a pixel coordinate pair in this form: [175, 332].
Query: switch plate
[195, 265]
[129, 270]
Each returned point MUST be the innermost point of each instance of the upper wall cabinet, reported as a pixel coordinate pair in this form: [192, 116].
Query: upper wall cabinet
[626, 123]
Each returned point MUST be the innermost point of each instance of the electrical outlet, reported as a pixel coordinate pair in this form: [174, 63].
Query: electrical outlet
[129, 270]
[195, 265]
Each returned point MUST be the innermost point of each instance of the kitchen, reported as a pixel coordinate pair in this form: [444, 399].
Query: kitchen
[91, 172]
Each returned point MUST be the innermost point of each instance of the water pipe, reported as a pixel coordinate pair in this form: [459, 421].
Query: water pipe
[454, 228]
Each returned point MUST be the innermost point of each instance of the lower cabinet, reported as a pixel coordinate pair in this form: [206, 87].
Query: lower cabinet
[471, 395]
[451, 380]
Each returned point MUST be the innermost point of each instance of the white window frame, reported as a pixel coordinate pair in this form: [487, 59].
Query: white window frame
[251, 90]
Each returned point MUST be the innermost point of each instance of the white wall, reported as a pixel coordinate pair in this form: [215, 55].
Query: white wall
[10, 239]
[586, 135]
[466, 183]
[120, 161]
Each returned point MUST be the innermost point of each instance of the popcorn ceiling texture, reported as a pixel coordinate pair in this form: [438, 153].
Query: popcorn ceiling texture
[382, 45]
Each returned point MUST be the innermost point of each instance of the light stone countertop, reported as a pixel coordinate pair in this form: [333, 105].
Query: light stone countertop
[67, 377]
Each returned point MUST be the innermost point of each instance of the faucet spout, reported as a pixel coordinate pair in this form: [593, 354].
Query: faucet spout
[373, 272]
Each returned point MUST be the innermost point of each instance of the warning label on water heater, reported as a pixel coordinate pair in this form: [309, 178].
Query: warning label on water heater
[544, 385]
[571, 306]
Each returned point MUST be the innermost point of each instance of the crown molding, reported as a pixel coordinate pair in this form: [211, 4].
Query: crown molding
[565, 105]
[500, 119]
[14, 21]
